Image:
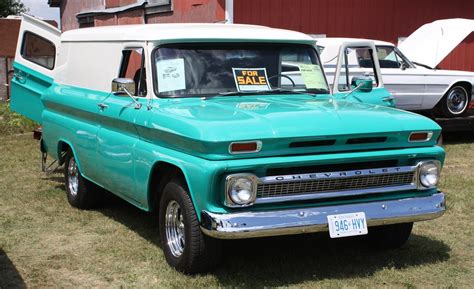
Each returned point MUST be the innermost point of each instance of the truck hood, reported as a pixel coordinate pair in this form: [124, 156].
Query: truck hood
[312, 124]
[432, 42]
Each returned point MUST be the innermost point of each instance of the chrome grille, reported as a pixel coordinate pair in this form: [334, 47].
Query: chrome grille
[321, 186]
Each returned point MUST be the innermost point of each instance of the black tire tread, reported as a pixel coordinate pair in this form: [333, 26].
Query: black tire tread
[389, 236]
[203, 253]
[442, 106]
[89, 195]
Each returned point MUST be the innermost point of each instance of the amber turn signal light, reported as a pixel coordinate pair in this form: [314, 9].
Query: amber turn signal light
[420, 136]
[245, 147]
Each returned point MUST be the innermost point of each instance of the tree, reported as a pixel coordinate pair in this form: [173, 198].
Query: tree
[11, 7]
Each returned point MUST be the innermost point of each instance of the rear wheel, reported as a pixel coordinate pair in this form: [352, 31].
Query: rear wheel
[185, 247]
[389, 236]
[455, 102]
[81, 193]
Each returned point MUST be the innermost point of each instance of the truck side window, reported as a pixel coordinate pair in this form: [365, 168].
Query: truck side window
[354, 64]
[133, 67]
[38, 50]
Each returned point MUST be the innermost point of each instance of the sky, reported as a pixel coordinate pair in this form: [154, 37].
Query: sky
[40, 8]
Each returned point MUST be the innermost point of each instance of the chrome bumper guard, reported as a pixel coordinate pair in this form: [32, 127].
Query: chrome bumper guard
[309, 220]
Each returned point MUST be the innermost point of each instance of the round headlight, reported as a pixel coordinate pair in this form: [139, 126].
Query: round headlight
[242, 191]
[429, 174]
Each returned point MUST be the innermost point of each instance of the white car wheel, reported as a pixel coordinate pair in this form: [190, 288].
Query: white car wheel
[456, 102]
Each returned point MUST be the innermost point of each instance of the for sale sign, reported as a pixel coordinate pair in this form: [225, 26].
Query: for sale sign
[251, 79]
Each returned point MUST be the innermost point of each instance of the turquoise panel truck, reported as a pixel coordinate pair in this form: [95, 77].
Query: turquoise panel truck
[227, 132]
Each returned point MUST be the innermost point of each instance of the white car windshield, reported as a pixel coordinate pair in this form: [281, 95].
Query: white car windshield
[187, 70]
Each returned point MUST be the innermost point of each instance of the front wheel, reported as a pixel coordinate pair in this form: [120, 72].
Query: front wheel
[185, 247]
[389, 236]
[455, 102]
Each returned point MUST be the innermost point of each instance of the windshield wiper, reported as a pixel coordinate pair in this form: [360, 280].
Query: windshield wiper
[235, 92]
[423, 65]
[273, 91]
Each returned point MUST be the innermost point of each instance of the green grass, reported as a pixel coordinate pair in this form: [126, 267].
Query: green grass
[13, 123]
[46, 243]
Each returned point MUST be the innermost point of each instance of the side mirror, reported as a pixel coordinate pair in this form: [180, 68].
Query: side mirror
[364, 84]
[404, 66]
[123, 86]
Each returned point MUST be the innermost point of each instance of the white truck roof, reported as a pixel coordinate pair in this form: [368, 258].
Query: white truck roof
[185, 31]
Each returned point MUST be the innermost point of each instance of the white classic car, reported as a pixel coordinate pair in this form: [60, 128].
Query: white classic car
[411, 76]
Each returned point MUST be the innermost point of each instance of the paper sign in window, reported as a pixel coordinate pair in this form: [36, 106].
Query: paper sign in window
[170, 75]
[313, 76]
[251, 79]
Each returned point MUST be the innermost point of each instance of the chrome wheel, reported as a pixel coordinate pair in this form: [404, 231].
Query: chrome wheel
[457, 100]
[174, 224]
[73, 177]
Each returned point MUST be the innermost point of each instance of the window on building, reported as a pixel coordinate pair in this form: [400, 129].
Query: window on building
[85, 21]
[157, 6]
[158, 2]
[38, 50]
[133, 67]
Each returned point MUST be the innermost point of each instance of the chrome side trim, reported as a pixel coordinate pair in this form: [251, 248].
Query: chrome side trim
[309, 220]
[347, 193]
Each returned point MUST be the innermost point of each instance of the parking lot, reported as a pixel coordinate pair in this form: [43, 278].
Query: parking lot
[45, 242]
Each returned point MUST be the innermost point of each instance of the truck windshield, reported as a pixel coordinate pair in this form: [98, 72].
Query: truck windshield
[195, 70]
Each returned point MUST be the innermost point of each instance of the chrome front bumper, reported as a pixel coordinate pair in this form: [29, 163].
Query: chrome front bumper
[309, 220]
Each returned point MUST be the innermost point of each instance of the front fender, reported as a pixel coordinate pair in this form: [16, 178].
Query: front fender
[199, 174]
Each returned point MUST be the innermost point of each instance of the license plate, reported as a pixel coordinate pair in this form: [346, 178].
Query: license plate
[345, 225]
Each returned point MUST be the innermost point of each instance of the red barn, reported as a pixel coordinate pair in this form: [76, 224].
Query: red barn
[385, 20]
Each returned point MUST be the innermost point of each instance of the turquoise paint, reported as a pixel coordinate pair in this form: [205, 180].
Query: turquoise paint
[376, 96]
[117, 147]
[206, 127]
[28, 91]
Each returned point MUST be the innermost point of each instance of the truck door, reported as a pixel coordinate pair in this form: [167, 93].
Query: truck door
[34, 65]
[359, 60]
[117, 135]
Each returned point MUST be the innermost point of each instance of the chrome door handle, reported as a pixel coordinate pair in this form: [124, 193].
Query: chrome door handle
[102, 106]
[19, 76]
[388, 98]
